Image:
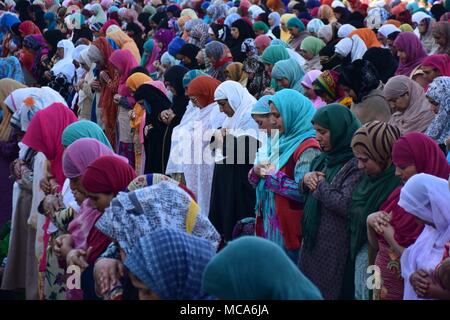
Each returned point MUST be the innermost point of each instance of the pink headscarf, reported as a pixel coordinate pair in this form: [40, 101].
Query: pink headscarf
[409, 43]
[262, 41]
[44, 135]
[310, 77]
[440, 62]
[77, 157]
[108, 24]
[124, 61]
[159, 85]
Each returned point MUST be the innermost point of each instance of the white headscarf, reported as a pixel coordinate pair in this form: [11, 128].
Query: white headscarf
[337, 4]
[387, 29]
[345, 30]
[419, 16]
[428, 198]
[255, 11]
[354, 46]
[76, 55]
[241, 101]
[65, 65]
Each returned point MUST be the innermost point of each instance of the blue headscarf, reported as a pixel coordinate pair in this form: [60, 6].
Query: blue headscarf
[253, 268]
[175, 46]
[7, 21]
[262, 105]
[51, 18]
[171, 264]
[231, 18]
[10, 68]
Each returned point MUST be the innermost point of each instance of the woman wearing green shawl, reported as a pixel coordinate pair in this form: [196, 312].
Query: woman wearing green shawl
[328, 190]
[310, 49]
[290, 152]
[288, 74]
[272, 55]
[252, 268]
[298, 33]
[83, 129]
[372, 146]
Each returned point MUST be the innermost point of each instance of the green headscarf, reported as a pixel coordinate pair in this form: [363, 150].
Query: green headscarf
[312, 45]
[259, 25]
[84, 129]
[295, 22]
[191, 75]
[149, 9]
[274, 53]
[148, 47]
[290, 70]
[375, 139]
[252, 268]
[342, 124]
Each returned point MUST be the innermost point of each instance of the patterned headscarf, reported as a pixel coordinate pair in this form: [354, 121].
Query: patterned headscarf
[327, 82]
[164, 205]
[199, 35]
[439, 91]
[171, 263]
[248, 46]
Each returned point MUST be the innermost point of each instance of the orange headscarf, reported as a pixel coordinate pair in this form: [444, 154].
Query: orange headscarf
[394, 22]
[275, 5]
[203, 89]
[327, 13]
[368, 36]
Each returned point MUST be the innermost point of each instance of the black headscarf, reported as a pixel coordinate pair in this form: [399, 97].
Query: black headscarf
[356, 19]
[438, 10]
[174, 76]
[143, 18]
[38, 16]
[360, 76]
[245, 31]
[160, 18]
[174, 10]
[189, 50]
[84, 32]
[344, 12]
[222, 33]
[53, 37]
[22, 8]
[137, 35]
[383, 61]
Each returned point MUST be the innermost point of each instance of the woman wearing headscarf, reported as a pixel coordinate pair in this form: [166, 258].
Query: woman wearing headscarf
[99, 15]
[44, 135]
[274, 23]
[291, 150]
[426, 197]
[135, 32]
[310, 49]
[50, 20]
[361, 82]
[107, 83]
[350, 49]
[226, 278]
[327, 87]
[328, 189]
[33, 49]
[384, 32]
[188, 55]
[424, 31]
[372, 146]
[307, 84]
[436, 65]
[410, 51]
[439, 96]
[368, 36]
[314, 26]
[383, 61]
[326, 14]
[221, 32]
[198, 172]
[124, 42]
[288, 74]
[284, 32]
[156, 133]
[240, 30]
[340, 12]
[392, 229]
[258, 80]
[235, 71]
[163, 37]
[272, 55]
[411, 109]
[149, 56]
[63, 71]
[198, 35]
[232, 197]
[173, 79]
[159, 256]
[441, 35]
[298, 33]
[220, 57]
[52, 37]
[27, 28]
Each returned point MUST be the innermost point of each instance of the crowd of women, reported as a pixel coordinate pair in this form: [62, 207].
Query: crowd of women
[224, 149]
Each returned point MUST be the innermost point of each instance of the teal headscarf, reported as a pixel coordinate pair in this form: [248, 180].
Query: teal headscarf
[295, 22]
[275, 42]
[148, 47]
[290, 70]
[342, 124]
[271, 55]
[252, 268]
[262, 105]
[191, 75]
[297, 112]
[84, 129]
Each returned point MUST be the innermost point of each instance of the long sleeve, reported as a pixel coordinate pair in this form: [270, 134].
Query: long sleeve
[336, 197]
[282, 184]
[253, 178]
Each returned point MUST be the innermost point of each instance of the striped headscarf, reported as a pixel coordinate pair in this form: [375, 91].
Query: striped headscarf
[376, 139]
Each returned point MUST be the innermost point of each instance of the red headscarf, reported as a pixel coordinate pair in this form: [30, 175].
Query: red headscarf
[108, 24]
[409, 43]
[108, 91]
[29, 28]
[44, 135]
[417, 149]
[108, 174]
[440, 62]
[203, 88]
[263, 41]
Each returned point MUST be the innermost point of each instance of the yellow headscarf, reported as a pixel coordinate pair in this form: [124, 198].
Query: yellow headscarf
[7, 86]
[124, 42]
[406, 28]
[285, 35]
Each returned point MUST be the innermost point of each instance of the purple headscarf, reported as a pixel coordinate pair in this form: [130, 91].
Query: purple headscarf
[409, 43]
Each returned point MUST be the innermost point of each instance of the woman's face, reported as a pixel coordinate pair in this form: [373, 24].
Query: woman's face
[235, 33]
[85, 66]
[430, 73]
[271, 22]
[144, 292]
[390, 44]
[434, 105]
[263, 122]
[225, 107]
[259, 32]
[382, 39]
[294, 31]
[283, 82]
[212, 36]
[283, 26]
[439, 39]
[276, 120]
[349, 92]
[402, 56]
[338, 15]
[187, 61]
[423, 27]
[323, 137]
[325, 97]
[100, 201]
[305, 54]
[195, 101]
[60, 52]
[421, 79]
[268, 68]
[309, 93]
[170, 87]
[368, 165]
[401, 103]
[260, 49]
[78, 190]
[405, 173]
